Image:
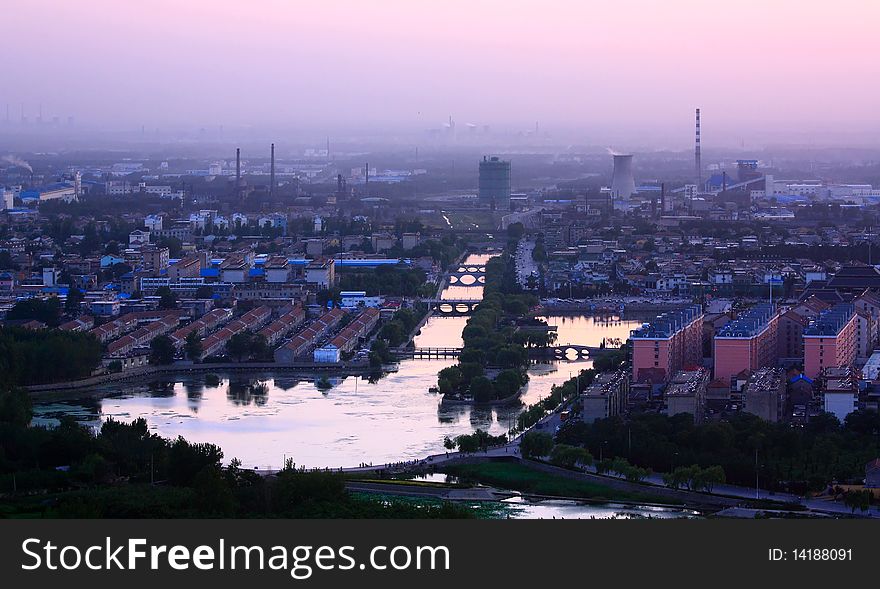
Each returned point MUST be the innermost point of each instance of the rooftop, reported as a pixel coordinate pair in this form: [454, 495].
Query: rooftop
[831, 321]
[749, 323]
[667, 324]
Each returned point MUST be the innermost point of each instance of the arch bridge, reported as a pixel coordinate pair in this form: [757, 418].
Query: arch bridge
[453, 306]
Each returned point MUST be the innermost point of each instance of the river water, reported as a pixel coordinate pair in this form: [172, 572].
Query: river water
[356, 421]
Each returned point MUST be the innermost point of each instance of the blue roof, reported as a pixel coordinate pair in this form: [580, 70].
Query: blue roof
[831, 321]
[801, 376]
[256, 272]
[209, 272]
[749, 323]
[667, 324]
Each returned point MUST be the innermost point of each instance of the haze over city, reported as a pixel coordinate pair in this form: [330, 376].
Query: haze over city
[422, 259]
[627, 73]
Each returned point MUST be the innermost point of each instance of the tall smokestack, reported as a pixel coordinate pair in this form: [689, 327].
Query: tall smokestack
[698, 165]
[662, 198]
[272, 172]
[237, 166]
[367, 178]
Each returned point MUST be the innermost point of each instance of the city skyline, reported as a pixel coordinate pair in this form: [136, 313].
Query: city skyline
[631, 73]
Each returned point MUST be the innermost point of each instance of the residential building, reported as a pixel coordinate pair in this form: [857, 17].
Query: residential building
[686, 393]
[764, 394]
[321, 273]
[605, 397]
[840, 391]
[831, 340]
[670, 342]
[747, 343]
[302, 343]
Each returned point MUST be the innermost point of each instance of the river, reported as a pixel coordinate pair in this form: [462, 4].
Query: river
[356, 421]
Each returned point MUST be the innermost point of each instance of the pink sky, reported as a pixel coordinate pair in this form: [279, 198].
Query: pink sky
[627, 64]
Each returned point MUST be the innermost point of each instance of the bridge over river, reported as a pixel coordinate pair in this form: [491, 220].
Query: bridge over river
[561, 352]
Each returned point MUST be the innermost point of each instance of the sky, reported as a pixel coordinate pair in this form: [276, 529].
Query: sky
[801, 69]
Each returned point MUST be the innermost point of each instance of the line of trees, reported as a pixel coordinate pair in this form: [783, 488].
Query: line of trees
[39, 356]
[789, 459]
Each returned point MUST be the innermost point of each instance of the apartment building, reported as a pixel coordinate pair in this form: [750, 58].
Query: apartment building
[831, 340]
[764, 395]
[669, 343]
[747, 343]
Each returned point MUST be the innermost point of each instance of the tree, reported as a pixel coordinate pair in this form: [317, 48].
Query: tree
[162, 350]
[174, 245]
[481, 389]
[570, 456]
[47, 311]
[858, 499]
[74, 297]
[246, 345]
[515, 231]
[536, 444]
[192, 347]
[205, 292]
[167, 298]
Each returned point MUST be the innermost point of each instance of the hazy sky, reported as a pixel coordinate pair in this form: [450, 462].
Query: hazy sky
[624, 65]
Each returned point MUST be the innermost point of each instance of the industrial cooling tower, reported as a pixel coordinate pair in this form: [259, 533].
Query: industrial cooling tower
[623, 185]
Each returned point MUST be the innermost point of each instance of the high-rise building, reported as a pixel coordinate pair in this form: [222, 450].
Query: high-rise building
[747, 343]
[667, 344]
[831, 340]
[495, 182]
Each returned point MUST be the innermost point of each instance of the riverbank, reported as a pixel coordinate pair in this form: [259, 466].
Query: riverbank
[141, 374]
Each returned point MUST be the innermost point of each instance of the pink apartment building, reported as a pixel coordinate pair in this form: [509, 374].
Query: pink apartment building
[747, 343]
[669, 343]
[831, 340]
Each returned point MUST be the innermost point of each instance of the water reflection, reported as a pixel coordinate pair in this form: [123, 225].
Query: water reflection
[260, 418]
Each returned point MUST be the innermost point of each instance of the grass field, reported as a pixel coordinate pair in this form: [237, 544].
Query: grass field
[520, 477]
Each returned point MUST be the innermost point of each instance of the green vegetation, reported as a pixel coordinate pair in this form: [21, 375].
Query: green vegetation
[380, 353]
[477, 441]
[74, 297]
[443, 251]
[247, 345]
[38, 356]
[396, 331]
[192, 346]
[167, 298]
[570, 456]
[695, 478]
[796, 460]
[536, 444]
[162, 350]
[622, 467]
[397, 280]
[523, 478]
[46, 310]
